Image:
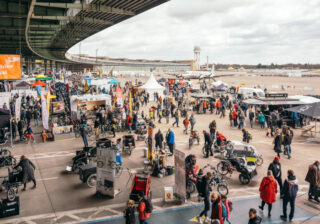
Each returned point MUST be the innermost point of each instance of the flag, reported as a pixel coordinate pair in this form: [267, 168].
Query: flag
[18, 108]
[130, 102]
[45, 115]
[48, 101]
[119, 96]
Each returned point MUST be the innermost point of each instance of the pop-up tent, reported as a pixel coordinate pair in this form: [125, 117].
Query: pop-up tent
[152, 86]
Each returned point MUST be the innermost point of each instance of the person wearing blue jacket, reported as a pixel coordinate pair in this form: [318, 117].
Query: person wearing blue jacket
[262, 120]
[170, 140]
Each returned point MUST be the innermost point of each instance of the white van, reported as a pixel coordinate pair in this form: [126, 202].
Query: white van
[251, 92]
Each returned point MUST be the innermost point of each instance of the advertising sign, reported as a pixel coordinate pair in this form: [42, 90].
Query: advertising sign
[180, 174]
[10, 67]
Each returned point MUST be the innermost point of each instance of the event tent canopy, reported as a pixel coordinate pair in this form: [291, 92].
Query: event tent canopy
[152, 86]
[114, 82]
[311, 110]
[38, 83]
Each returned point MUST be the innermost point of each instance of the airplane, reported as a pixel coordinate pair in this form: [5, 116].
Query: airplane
[198, 74]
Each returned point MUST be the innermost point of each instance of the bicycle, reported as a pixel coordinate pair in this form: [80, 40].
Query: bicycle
[218, 181]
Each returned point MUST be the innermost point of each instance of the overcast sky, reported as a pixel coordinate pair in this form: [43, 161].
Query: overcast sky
[228, 31]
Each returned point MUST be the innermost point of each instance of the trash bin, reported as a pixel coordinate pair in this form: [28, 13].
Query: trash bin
[168, 194]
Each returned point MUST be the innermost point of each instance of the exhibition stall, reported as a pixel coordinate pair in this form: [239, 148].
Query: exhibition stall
[152, 86]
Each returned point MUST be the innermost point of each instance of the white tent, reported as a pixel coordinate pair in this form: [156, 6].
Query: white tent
[152, 86]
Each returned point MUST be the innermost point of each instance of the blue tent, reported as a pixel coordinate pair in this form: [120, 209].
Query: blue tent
[113, 82]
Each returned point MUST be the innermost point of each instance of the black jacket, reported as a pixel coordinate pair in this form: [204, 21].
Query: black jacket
[27, 170]
[205, 187]
[287, 139]
[158, 138]
[275, 167]
[129, 215]
[277, 143]
[207, 139]
[251, 116]
[255, 220]
[20, 125]
[290, 188]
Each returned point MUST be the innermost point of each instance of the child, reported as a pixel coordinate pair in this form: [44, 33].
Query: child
[43, 135]
[186, 124]
[228, 205]
[129, 213]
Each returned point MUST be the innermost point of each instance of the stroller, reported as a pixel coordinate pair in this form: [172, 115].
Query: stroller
[129, 143]
[140, 183]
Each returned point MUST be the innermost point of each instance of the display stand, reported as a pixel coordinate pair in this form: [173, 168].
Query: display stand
[106, 162]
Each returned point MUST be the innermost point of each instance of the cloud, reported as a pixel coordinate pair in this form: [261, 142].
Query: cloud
[233, 31]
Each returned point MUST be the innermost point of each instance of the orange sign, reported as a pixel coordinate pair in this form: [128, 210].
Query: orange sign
[10, 67]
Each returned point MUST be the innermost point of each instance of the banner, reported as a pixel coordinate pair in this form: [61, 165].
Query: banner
[130, 102]
[10, 67]
[180, 174]
[18, 108]
[45, 115]
[119, 96]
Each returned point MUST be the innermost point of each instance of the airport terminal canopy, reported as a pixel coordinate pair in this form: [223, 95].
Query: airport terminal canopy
[152, 86]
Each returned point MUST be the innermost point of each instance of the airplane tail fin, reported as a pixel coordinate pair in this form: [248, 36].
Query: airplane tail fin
[212, 69]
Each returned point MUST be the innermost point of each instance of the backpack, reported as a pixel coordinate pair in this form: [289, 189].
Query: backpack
[224, 210]
[249, 135]
[230, 204]
[149, 206]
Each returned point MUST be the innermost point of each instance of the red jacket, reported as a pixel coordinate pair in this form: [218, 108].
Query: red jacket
[129, 120]
[234, 114]
[221, 136]
[218, 104]
[186, 122]
[268, 190]
[143, 215]
[216, 211]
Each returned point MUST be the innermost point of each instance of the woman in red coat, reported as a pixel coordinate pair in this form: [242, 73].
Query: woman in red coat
[268, 191]
[217, 210]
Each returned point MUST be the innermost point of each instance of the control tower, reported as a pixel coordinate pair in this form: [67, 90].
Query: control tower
[196, 51]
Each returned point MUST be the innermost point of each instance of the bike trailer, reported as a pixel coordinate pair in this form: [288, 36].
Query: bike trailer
[139, 184]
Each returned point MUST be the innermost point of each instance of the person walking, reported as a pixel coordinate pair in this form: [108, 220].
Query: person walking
[313, 178]
[176, 116]
[268, 191]
[262, 120]
[275, 167]
[228, 204]
[130, 123]
[170, 140]
[218, 210]
[241, 120]
[28, 116]
[289, 194]
[205, 190]
[14, 129]
[212, 128]
[277, 143]
[251, 117]
[207, 144]
[287, 143]
[186, 125]
[245, 136]
[29, 134]
[235, 118]
[129, 213]
[159, 140]
[27, 171]
[192, 121]
[142, 209]
[253, 217]
[84, 135]
[35, 117]
[20, 128]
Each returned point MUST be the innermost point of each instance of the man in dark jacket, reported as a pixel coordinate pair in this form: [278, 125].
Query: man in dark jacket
[14, 129]
[84, 134]
[313, 178]
[287, 143]
[213, 127]
[28, 115]
[159, 139]
[207, 144]
[277, 143]
[20, 128]
[289, 194]
[254, 219]
[27, 171]
[205, 188]
[275, 167]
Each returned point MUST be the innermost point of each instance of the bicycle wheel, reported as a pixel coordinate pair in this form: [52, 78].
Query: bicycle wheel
[244, 179]
[191, 187]
[92, 180]
[222, 168]
[5, 152]
[259, 161]
[11, 193]
[223, 189]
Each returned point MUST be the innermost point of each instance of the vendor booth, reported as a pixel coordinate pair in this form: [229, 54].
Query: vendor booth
[87, 103]
[152, 86]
